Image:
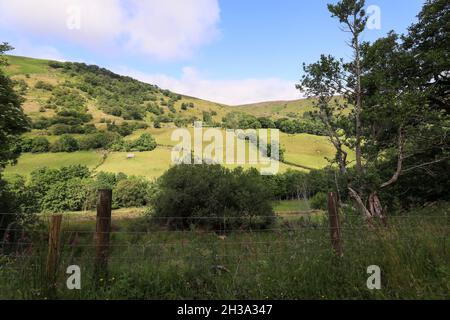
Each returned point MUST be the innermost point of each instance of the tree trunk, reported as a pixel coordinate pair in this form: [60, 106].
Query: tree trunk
[358, 109]
[373, 210]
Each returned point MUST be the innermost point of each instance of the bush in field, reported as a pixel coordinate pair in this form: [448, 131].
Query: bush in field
[131, 192]
[99, 140]
[240, 120]
[145, 142]
[266, 123]
[319, 201]
[120, 145]
[108, 180]
[224, 199]
[66, 144]
[43, 85]
[40, 145]
[26, 145]
[68, 195]
[65, 189]
[73, 188]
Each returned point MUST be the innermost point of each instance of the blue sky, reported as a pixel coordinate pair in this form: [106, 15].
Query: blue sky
[230, 51]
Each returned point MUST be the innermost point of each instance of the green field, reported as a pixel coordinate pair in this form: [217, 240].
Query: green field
[301, 151]
[277, 109]
[29, 162]
[153, 164]
[149, 164]
[22, 65]
[308, 150]
[291, 206]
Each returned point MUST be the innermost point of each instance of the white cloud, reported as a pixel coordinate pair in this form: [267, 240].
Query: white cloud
[172, 28]
[163, 29]
[231, 92]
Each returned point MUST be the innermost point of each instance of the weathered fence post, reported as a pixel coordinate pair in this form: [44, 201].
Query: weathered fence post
[102, 231]
[335, 228]
[54, 238]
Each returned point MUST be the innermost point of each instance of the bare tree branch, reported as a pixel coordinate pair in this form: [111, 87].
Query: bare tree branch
[426, 164]
[401, 145]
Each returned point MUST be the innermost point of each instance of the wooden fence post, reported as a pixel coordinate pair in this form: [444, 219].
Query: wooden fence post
[54, 238]
[102, 231]
[335, 228]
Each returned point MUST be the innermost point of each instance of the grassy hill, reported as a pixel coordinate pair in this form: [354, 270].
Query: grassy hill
[50, 88]
[31, 71]
[278, 109]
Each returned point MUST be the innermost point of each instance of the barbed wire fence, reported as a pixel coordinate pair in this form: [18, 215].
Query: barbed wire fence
[49, 244]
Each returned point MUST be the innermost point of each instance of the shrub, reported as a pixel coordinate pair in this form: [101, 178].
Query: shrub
[224, 199]
[60, 129]
[39, 145]
[99, 140]
[68, 195]
[16, 196]
[26, 145]
[43, 85]
[42, 123]
[145, 142]
[319, 201]
[240, 120]
[108, 180]
[132, 192]
[207, 118]
[50, 186]
[266, 123]
[66, 143]
[120, 145]
[125, 129]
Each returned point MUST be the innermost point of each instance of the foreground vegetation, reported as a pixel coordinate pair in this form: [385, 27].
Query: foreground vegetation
[292, 261]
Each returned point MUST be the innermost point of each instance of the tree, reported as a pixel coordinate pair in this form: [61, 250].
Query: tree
[266, 123]
[13, 121]
[132, 192]
[352, 16]
[212, 196]
[61, 189]
[429, 42]
[145, 142]
[392, 111]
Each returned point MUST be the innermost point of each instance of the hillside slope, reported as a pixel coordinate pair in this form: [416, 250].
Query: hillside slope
[77, 99]
[278, 109]
[139, 98]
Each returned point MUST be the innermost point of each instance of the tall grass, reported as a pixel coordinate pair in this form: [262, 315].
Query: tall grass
[291, 260]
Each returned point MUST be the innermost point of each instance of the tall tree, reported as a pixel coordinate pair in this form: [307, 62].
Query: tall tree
[13, 121]
[397, 110]
[352, 16]
[429, 41]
